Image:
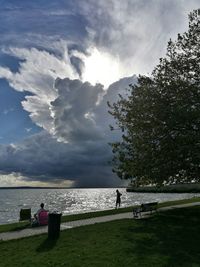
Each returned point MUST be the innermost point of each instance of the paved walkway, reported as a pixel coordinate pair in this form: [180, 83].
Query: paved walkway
[67, 225]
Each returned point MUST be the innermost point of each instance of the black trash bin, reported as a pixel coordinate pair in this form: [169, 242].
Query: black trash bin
[54, 225]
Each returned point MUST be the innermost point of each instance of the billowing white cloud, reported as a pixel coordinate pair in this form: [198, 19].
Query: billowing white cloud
[80, 111]
[117, 39]
[36, 76]
[65, 108]
[80, 123]
[136, 31]
[73, 109]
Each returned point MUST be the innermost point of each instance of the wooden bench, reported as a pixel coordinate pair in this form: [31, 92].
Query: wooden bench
[145, 207]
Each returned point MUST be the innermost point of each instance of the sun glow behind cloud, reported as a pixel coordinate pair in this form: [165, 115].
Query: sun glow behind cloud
[40, 71]
[101, 67]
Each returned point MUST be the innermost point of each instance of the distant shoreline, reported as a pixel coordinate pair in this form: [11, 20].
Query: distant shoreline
[177, 188]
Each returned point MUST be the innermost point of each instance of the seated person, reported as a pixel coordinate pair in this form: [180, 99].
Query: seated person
[41, 216]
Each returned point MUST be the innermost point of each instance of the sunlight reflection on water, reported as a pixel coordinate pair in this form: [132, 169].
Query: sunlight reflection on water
[71, 201]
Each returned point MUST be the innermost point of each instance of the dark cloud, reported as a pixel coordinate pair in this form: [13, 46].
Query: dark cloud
[78, 64]
[85, 159]
[73, 109]
[42, 158]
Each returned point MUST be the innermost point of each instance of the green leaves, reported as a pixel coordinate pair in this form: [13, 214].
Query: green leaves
[161, 117]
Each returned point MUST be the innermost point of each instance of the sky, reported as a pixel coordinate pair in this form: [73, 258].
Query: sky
[60, 62]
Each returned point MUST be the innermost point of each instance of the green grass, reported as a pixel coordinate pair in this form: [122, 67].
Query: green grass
[168, 239]
[181, 201]
[13, 226]
[73, 217]
[121, 210]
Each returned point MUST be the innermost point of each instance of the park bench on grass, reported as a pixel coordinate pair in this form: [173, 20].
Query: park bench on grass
[25, 215]
[145, 207]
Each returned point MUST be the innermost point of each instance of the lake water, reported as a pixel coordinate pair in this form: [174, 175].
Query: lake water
[71, 201]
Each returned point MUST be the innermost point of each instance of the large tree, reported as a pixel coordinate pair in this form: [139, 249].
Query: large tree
[160, 117]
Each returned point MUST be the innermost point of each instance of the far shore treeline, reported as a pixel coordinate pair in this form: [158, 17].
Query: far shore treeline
[160, 118]
[174, 188]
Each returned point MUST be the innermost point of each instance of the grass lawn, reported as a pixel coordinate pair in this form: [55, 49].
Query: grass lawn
[168, 239]
[73, 217]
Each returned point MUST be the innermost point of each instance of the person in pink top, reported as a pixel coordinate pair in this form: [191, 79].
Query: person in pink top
[41, 216]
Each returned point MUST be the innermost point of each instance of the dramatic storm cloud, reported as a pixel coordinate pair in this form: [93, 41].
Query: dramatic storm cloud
[60, 62]
[76, 148]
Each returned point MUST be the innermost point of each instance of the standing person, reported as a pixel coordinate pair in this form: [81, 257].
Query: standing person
[118, 199]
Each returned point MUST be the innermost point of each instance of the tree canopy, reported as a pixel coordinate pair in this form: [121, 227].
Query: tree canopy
[160, 117]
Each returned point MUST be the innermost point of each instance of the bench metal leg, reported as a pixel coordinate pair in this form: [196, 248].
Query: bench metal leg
[136, 213]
